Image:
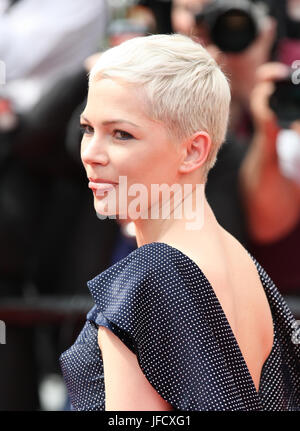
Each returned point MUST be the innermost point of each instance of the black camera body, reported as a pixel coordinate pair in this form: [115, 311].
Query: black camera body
[232, 24]
[285, 100]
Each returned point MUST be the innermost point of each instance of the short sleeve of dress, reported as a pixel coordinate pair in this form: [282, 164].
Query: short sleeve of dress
[154, 305]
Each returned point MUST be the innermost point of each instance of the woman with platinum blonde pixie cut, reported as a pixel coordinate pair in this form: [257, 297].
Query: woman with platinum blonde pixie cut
[189, 320]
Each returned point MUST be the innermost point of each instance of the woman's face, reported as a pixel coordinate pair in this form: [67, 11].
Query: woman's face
[121, 140]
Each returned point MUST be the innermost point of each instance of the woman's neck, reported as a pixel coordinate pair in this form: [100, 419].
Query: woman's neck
[194, 219]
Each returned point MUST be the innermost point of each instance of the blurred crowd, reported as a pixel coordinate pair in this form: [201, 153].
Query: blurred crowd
[51, 241]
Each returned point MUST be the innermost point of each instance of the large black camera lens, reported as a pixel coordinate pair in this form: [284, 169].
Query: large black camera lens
[232, 25]
[233, 31]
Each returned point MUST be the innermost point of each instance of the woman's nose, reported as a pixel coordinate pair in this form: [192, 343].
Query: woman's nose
[92, 152]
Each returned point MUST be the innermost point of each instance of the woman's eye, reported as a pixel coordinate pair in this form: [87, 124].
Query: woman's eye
[86, 129]
[121, 135]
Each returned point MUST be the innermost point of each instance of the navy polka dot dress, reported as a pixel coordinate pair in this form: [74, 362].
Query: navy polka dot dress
[160, 304]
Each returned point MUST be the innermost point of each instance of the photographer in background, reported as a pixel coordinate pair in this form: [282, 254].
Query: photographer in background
[270, 173]
[271, 198]
[241, 35]
[240, 62]
[243, 40]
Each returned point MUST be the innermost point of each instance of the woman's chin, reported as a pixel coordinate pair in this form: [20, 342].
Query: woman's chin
[104, 212]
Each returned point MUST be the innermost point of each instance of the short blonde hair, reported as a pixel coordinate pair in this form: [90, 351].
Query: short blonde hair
[184, 85]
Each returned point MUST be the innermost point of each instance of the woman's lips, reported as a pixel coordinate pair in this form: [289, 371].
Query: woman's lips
[100, 188]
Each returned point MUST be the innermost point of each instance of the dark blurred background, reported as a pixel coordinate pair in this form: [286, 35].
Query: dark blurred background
[51, 241]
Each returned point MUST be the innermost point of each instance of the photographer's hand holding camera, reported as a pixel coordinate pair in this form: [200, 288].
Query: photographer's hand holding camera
[272, 200]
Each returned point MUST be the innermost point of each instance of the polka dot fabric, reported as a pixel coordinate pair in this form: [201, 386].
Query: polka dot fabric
[160, 304]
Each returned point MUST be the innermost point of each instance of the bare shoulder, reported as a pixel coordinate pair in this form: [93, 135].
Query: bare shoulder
[242, 276]
[238, 260]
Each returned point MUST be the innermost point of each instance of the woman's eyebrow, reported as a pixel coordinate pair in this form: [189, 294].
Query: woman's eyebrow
[107, 123]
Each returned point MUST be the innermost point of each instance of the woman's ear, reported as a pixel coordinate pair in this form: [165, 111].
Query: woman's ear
[196, 151]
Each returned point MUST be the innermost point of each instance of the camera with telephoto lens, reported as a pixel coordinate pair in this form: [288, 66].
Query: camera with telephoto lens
[232, 25]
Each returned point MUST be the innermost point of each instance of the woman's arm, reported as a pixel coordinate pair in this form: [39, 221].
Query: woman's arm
[126, 387]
